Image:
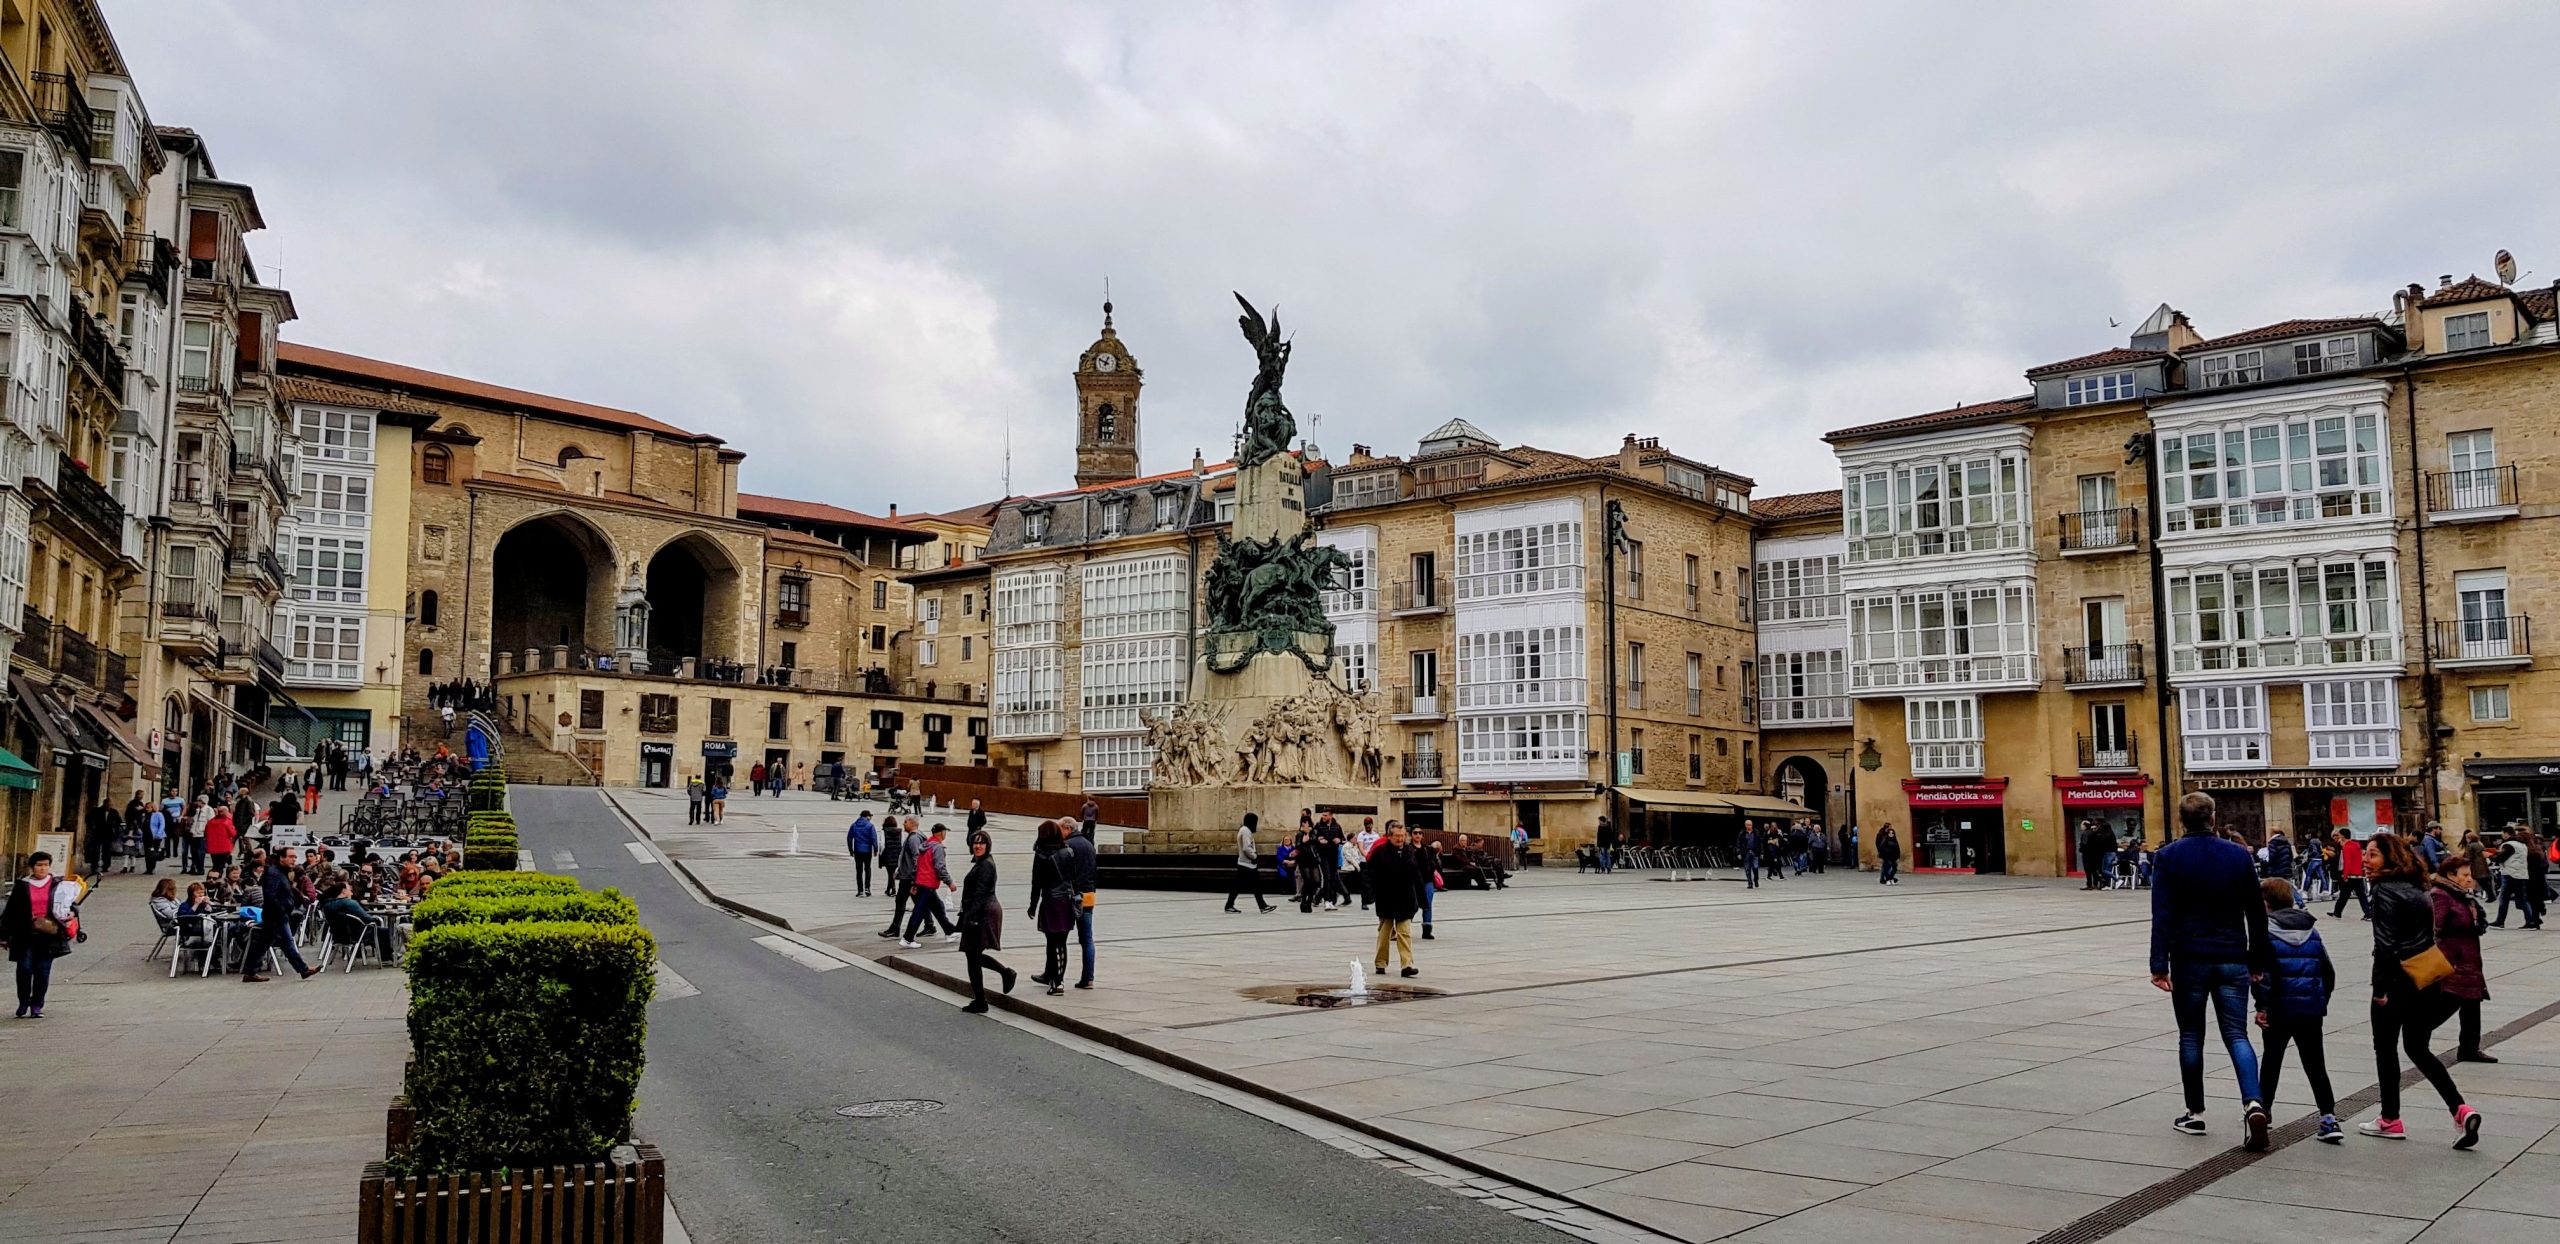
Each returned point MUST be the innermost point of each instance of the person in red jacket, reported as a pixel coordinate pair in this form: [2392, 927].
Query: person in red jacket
[2350, 877]
[221, 835]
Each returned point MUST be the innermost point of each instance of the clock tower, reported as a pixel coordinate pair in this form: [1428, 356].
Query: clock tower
[1107, 383]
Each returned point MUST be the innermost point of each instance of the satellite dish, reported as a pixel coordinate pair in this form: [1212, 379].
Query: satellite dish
[2506, 265]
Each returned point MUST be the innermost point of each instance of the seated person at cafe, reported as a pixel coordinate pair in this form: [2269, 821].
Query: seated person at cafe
[341, 908]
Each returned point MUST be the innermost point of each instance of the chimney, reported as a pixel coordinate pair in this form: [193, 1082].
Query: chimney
[1630, 457]
[893, 511]
[2445, 281]
[1199, 465]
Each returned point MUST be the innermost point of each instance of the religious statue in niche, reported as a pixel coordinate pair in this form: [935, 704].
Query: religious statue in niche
[631, 621]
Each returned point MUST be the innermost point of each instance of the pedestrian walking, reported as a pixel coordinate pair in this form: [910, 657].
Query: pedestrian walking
[1426, 864]
[2409, 1000]
[445, 714]
[2097, 855]
[1248, 866]
[1818, 849]
[932, 877]
[718, 797]
[981, 922]
[862, 839]
[1799, 845]
[1052, 903]
[1329, 840]
[755, 779]
[2351, 878]
[36, 927]
[2458, 920]
[1750, 856]
[977, 817]
[279, 907]
[693, 801]
[1519, 847]
[1399, 897]
[221, 839]
[2517, 887]
[1086, 879]
[2208, 938]
[197, 817]
[1888, 855]
[2293, 1001]
[899, 869]
[1087, 816]
[1303, 859]
[1607, 851]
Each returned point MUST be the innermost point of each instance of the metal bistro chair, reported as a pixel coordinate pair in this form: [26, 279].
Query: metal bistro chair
[168, 931]
[358, 938]
[196, 935]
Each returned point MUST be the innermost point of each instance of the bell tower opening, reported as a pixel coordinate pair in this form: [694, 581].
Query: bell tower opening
[1107, 384]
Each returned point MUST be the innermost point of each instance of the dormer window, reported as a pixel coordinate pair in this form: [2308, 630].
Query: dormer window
[1035, 526]
[2225, 370]
[2087, 390]
[1168, 508]
[1115, 517]
[2466, 332]
[1688, 481]
[2310, 358]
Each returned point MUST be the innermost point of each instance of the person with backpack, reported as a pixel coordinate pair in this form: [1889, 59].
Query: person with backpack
[2409, 999]
[2293, 1000]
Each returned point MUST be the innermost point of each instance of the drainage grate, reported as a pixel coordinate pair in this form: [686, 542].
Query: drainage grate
[890, 1109]
[2106, 1220]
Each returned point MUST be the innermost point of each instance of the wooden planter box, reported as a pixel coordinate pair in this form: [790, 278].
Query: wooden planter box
[621, 1200]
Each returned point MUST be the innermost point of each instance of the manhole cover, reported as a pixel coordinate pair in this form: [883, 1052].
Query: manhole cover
[889, 1109]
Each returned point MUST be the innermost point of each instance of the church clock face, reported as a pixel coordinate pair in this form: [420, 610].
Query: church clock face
[1106, 362]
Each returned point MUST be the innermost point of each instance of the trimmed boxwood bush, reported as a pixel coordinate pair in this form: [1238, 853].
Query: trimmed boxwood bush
[528, 1040]
[504, 881]
[489, 851]
[567, 907]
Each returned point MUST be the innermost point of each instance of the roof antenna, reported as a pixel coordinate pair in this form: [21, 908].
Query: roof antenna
[1106, 300]
[1008, 453]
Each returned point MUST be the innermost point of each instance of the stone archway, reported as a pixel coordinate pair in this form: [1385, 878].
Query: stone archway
[1800, 779]
[552, 582]
[693, 602]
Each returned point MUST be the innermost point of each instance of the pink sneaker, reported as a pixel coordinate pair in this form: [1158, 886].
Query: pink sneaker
[2384, 1129]
[2466, 1121]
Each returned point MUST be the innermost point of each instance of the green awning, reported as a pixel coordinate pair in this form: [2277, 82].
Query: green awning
[16, 774]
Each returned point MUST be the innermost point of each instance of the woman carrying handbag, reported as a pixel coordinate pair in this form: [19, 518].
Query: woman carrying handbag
[2409, 998]
[37, 926]
[1053, 902]
[981, 922]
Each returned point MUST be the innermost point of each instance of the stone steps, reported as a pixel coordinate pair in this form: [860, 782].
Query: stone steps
[529, 761]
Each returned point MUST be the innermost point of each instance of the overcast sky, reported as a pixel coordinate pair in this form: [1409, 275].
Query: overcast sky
[859, 241]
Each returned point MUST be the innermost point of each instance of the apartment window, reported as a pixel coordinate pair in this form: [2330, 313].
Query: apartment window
[2489, 704]
[1804, 686]
[195, 353]
[1520, 561]
[925, 652]
[1369, 488]
[1635, 675]
[1523, 745]
[333, 499]
[790, 655]
[435, 466]
[965, 646]
[1697, 699]
[1973, 633]
[2343, 611]
[336, 435]
[1035, 526]
[2353, 721]
[2085, 390]
[1719, 675]
[1426, 582]
[1115, 517]
[2480, 601]
[879, 638]
[325, 648]
[1356, 590]
[2472, 482]
[426, 660]
[1750, 710]
[1119, 762]
[1945, 735]
[968, 604]
[1750, 762]
[1353, 665]
[1697, 760]
[2313, 357]
[182, 572]
[328, 568]
[2110, 741]
[13, 181]
[1742, 590]
[2295, 470]
[835, 725]
[591, 709]
[879, 593]
[1168, 508]
[2224, 727]
[1635, 750]
[2224, 370]
[1029, 686]
[719, 719]
[1027, 608]
[1928, 508]
[1635, 570]
[1689, 578]
[1526, 666]
[777, 721]
[1802, 587]
[2466, 332]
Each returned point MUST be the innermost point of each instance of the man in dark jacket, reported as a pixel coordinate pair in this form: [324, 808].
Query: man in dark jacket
[1081, 870]
[278, 905]
[1395, 882]
[2096, 847]
[2208, 939]
[900, 869]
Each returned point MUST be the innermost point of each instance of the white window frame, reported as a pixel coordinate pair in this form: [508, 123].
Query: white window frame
[2468, 331]
[2114, 386]
[1804, 688]
[1799, 587]
[1954, 635]
[2333, 354]
[2491, 704]
[2284, 471]
[2353, 722]
[1027, 698]
[2485, 624]
[1530, 560]
[2311, 613]
[2224, 726]
[325, 649]
[329, 567]
[1027, 608]
[1945, 735]
[1118, 762]
[1522, 667]
[1931, 507]
[2222, 371]
[1523, 745]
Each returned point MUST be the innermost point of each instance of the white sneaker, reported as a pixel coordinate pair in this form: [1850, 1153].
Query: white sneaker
[908, 944]
[951, 936]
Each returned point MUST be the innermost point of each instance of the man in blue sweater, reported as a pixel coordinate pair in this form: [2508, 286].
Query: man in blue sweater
[2208, 939]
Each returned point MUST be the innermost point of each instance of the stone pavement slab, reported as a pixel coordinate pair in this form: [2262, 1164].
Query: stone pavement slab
[1961, 1058]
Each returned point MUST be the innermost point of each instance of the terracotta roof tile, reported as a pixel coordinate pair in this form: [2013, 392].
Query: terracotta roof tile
[2468, 289]
[2282, 329]
[2541, 303]
[1137, 482]
[1952, 414]
[293, 354]
[1797, 504]
[2103, 358]
[306, 389]
[755, 505]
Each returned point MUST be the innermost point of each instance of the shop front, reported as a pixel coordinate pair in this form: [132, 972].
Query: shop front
[657, 764]
[2507, 791]
[719, 759]
[2306, 803]
[2111, 803]
[1958, 826]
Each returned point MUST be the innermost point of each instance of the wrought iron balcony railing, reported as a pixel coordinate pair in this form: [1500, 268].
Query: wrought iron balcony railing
[2100, 664]
[2479, 490]
[2118, 753]
[2090, 531]
[2488, 639]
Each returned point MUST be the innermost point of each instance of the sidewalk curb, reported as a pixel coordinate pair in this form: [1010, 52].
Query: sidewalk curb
[715, 896]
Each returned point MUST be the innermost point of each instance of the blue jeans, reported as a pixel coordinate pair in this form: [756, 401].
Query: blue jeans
[1886, 868]
[2227, 984]
[1428, 890]
[1750, 871]
[1084, 935]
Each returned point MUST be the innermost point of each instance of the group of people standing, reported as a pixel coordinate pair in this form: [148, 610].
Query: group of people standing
[1395, 876]
[1772, 848]
[2221, 933]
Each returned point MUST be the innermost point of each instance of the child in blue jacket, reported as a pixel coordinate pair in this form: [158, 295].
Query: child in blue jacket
[2294, 998]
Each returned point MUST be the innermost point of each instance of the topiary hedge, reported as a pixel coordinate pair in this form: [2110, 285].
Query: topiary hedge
[528, 1040]
[503, 882]
[496, 852]
[572, 906]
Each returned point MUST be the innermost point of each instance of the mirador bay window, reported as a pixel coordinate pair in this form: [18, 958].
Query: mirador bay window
[2296, 470]
[1943, 636]
[2339, 611]
[1962, 504]
[2353, 721]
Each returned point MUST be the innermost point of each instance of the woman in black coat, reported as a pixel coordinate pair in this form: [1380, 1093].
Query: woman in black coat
[2404, 1015]
[1053, 901]
[981, 922]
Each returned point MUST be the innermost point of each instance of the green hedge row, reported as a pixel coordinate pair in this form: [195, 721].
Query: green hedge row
[572, 906]
[495, 852]
[528, 1037]
[505, 881]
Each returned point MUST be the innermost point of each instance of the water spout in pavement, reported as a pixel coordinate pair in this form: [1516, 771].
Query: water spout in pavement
[1359, 980]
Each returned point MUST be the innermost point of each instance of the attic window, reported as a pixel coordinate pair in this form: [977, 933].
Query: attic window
[1168, 508]
[2088, 390]
[1115, 516]
[1688, 481]
[1035, 526]
[2225, 370]
[2466, 332]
